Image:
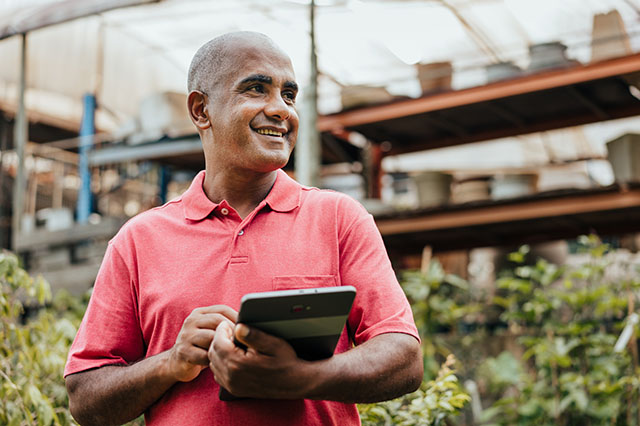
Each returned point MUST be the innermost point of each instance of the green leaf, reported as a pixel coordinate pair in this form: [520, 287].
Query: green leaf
[43, 290]
[456, 281]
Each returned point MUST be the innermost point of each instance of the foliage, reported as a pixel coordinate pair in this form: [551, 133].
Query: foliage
[568, 319]
[34, 348]
[440, 302]
[429, 405]
[436, 305]
[557, 324]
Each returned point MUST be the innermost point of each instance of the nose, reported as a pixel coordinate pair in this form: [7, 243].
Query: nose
[277, 108]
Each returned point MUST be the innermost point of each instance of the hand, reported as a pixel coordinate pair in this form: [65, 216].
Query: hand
[268, 368]
[188, 356]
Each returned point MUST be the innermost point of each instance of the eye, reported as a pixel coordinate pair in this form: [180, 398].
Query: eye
[256, 88]
[289, 95]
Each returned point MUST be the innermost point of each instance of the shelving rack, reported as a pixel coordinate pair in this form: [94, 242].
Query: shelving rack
[531, 103]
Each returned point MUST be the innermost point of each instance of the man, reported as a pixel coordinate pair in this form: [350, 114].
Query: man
[157, 337]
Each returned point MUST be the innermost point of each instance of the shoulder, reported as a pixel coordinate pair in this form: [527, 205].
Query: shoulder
[333, 210]
[326, 199]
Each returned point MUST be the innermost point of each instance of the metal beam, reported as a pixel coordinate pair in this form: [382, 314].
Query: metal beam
[123, 154]
[446, 125]
[510, 212]
[308, 153]
[59, 12]
[402, 146]
[40, 239]
[20, 138]
[595, 108]
[504, 113]
[87, 130]
[501, 89]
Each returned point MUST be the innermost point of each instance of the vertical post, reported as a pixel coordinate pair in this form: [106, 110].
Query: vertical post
[308, 153]
[20, 136]
[4, 143]
[165, 177]
[87, 129]
[372, 159]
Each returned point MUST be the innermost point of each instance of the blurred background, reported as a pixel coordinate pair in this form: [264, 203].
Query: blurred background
[470, 129]
[459, 124]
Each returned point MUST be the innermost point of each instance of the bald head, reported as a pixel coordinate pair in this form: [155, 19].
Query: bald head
[215, 58]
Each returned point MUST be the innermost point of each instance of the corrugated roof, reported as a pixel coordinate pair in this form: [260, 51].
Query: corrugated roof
[127, 54]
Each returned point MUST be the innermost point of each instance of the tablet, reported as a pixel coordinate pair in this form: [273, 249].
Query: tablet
[310, 320]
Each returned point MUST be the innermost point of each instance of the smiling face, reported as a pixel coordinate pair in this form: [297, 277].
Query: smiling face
[250, 106]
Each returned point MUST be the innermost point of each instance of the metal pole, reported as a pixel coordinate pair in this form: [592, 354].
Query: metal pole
[4, 143]
[308, 153]
[165, 177]
[87, 129]
[20, 136]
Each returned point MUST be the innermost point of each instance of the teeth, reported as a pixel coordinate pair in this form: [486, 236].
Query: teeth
[268, 132]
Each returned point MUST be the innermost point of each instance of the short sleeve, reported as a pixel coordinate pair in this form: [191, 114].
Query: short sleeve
[110, 330]
[380, 305]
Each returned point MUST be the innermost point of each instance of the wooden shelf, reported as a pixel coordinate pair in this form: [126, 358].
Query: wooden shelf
[535, 102]
[547, 100]
[560, 214]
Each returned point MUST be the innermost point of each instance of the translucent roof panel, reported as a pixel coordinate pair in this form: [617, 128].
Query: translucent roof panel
[127, 54]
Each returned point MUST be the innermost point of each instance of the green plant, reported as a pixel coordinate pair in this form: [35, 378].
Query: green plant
[440, 302]
[435, 401]
[34, 348]
[568, 319]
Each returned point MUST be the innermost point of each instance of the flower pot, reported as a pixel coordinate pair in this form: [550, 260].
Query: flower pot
[624, 155]
[433, 188]
[548, 55]
[501, 71]
[513, 186]
[435, 76]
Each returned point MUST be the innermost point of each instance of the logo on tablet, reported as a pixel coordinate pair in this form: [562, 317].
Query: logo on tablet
[300, 308]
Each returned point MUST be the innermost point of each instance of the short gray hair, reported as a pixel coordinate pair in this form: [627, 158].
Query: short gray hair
[211, 59]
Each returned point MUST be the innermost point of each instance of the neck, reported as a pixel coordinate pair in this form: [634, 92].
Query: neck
[243, 191]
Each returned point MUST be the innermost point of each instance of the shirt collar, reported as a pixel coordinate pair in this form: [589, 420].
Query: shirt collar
[283, 197]
[285, 194]
[196, 204]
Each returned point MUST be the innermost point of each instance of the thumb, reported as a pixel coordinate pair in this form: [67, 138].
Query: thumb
[225, 328]
[222, 339]
[258, 340]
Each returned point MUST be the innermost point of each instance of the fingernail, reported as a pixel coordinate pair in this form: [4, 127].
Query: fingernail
[242, 330]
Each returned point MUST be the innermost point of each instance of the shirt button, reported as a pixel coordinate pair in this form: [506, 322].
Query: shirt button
[241, 232]
[224, 211]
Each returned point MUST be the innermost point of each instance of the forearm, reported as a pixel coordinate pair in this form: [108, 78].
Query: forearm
[117, 394]
[385, 367]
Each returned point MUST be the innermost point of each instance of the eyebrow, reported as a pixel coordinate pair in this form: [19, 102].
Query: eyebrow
[265, 79]
[257, 78]
[291, 85]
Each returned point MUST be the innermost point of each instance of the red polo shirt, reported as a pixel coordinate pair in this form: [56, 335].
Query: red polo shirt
[192, 252]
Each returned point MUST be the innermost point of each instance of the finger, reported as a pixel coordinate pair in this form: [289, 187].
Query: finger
[260, 341]
[223, 310]
[211, 321]
[223, 339]
[202, 338]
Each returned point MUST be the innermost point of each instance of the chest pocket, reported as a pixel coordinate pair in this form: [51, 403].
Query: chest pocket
[290, 282]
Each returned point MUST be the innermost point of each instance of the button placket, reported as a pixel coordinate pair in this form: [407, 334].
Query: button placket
[239, 249]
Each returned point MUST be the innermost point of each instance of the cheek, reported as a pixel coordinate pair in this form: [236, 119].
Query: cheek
[294, 119]
[293, 138]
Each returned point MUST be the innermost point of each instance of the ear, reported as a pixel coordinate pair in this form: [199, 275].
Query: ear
[197, 105]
